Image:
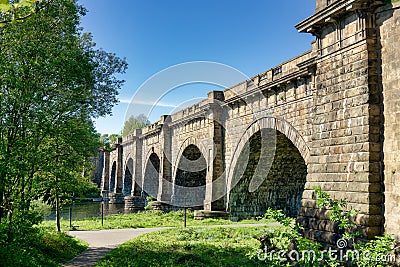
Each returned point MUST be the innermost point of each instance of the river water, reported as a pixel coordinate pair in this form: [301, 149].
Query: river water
[87, 210]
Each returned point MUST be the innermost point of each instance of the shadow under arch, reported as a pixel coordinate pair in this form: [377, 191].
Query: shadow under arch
[128, 177]
[151, 178]
[113, 177]
[190, 178]
[185, 144]
[282, 184]
[269, 122]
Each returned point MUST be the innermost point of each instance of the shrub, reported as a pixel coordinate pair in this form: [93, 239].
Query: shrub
[33, 246]
[150, 201]
[291, 248]
[41, 208]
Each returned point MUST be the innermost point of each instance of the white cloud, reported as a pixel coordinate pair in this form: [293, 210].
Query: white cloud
[148, 103]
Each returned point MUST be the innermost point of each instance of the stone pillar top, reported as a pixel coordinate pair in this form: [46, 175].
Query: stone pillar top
[165, 119]
[321, 4]
[218, 95]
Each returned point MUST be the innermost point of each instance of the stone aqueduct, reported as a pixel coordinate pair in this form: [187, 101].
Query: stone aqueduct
[331, 114]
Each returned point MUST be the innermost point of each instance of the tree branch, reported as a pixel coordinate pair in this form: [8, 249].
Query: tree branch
[28, 15]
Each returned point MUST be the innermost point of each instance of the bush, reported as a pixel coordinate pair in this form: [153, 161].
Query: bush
[150, 201]
[37, 247]
[291, 248]
[41, 208]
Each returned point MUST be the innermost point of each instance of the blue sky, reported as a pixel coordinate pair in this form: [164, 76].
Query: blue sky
[248, 35]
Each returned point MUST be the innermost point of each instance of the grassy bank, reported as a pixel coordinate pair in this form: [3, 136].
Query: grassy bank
[217, 246]
[146, 219]
[41, 248]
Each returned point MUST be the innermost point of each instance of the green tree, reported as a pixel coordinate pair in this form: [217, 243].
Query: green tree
[18, 10]
[53, 82]
[107, 140]
[133, 123]
[67, 154]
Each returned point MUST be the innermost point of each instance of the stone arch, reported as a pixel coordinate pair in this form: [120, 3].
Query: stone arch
[113, 176]
[186, 143]
[151, 177]
[136, 186]
[128, 177]
[282, 185]
[190, 178]
[277, 124]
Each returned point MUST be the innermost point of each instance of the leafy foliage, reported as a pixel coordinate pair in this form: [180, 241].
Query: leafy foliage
[374, 252]
[134, 123]
[377, 252]
[150, 201]
[344, 218]
[107, 140]
[380, 252]
[19, 10]
[89, 190]
[288, 239]
[53, 81]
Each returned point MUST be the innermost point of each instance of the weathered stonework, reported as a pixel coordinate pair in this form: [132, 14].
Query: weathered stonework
[333, 112]
[134, 203]
[346, 153]
[388, 21]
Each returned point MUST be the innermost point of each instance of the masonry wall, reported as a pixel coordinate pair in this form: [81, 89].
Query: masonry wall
[283, 93]
[98, 163]
[276, 101]
[322, 4]
[388, 20]
[345, 151]
[193, 126]
[113, 170]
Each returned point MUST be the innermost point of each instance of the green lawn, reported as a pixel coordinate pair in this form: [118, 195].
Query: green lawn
[218, 246]
[145, 219]
[41, 249]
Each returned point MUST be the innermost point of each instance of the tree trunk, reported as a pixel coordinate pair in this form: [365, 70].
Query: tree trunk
[58, 213]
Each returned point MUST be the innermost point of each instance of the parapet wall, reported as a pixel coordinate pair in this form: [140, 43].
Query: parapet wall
[287, 71]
